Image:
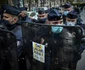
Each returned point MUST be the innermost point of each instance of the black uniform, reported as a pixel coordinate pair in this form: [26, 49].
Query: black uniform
[64, 47]
[66, 6]
[15, 28]
[43, 19]
[62, 50]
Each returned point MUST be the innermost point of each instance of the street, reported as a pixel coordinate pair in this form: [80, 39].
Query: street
[81, 62]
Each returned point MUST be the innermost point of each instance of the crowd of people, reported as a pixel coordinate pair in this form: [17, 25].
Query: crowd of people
[11, 19]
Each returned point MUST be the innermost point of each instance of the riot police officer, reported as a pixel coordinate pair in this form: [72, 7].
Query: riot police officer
[66, 54]
[61, 42]
[11, 22]
[42, 16]
[24, 16]
[71, 18]
[67, 7]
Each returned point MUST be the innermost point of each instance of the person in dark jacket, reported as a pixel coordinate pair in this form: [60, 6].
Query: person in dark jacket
[42, 17]
[71, 18]
[12, 23]
[67, 7]
[24, 16]
[62, 42]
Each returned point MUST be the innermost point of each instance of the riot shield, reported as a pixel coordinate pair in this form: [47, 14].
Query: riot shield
[8, 51]
[48, 49]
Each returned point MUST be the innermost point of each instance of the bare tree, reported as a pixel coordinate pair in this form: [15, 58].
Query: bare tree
[36, 1]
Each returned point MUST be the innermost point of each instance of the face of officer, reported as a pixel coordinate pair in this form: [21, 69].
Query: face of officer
[56, 29]
[42, 17]
[57, 22]
[10, 18]
[67, 10]
[71, 22]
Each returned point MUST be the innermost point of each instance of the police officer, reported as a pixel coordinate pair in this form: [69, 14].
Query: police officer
[24, 16]
[74, 17]
[61, 42]
[66, 37]
[71, 18]
[42, 16]
[67, 7]
[12, 23]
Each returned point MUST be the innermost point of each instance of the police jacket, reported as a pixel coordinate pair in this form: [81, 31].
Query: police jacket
[16, 29]
[18, 33]
[26, 19]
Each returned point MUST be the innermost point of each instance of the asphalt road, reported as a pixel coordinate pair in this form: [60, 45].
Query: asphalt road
[81, 62]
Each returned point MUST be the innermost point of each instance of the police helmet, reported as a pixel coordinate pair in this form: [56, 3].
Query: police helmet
[54, 15]
[10, 9]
